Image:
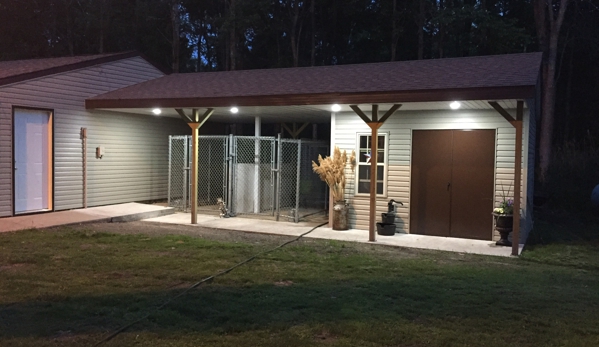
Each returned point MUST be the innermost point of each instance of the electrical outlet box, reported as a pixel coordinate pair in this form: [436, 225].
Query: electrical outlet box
[99, 152]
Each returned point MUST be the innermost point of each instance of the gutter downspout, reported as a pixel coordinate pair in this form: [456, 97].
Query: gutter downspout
[84, 144]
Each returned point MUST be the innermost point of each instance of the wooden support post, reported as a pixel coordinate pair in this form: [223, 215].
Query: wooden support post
[195, 129]
[374, 125]
[374, 137]
[295, 133]
[195, 122]
[517, 178]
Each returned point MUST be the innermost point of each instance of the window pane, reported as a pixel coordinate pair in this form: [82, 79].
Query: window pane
[380, 173]
[364, 187]
[364, 172]
[363, 141]
[363, 156]
[381, 143]
[380, 158]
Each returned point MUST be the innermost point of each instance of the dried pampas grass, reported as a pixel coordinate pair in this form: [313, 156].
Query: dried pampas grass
[332, 171]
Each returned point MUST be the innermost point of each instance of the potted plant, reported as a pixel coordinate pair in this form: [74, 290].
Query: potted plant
[332, 171]
[504, 220]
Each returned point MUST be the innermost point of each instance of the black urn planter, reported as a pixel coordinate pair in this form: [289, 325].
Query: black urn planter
[504, 225]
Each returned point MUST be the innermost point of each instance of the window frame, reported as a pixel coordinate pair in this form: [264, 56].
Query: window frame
[384, 164]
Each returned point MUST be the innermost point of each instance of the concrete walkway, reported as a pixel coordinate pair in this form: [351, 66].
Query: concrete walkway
[159, 214]
[353, 235]
[112, 213]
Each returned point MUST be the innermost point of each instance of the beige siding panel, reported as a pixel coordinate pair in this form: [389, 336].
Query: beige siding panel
[135, 164]
[400, 127]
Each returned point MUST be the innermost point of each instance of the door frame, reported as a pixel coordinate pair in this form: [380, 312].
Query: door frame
[450, 128]
[51, 181]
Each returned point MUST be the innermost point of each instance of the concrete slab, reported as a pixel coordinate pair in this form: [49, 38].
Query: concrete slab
[112, 213]
[353, 235]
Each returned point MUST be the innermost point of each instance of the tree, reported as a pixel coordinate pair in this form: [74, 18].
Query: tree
[549, 17]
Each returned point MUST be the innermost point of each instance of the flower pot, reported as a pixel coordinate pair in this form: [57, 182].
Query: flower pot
[340, 215]
[504, 224]
[388, 218]
[385, 229]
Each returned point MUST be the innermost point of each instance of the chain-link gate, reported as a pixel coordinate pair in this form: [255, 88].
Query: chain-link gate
[212, 173]
[178, 172]
[253, 175]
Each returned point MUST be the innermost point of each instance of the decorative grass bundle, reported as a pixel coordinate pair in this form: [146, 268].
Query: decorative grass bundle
[332, 171]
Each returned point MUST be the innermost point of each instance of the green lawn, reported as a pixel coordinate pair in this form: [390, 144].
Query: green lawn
[72, 287]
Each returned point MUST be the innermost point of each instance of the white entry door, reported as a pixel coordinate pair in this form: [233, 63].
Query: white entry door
[32, 160]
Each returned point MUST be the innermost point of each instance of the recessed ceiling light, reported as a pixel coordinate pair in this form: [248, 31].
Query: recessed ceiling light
[156, 111]
[234, 110]
[455, 105]
[336, 108]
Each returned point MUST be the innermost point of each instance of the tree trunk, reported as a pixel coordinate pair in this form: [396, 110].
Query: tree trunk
[441, 30]
[568, 107]
[232, 38]
[312, 20]
[549, 20]
[175, 44]
[421, 30]
[296, 31]
[102, 14]
[394, 31]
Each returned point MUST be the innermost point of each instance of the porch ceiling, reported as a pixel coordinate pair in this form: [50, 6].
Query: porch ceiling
[311, 113]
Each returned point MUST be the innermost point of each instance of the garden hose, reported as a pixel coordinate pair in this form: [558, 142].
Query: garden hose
[205, 280]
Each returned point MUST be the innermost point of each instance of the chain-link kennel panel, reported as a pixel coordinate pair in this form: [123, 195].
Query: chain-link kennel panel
[212, 171]
[313, 193]
[178, 172]
[253, 175]
[288, 183]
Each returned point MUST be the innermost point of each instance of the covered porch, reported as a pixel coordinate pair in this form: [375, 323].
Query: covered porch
[304, 95]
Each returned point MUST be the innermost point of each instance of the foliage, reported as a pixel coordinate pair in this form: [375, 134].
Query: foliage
[506, 205]
[572, 177]
[332, 171]
[251, 34]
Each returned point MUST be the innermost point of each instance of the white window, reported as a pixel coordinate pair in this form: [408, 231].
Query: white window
[363, 164]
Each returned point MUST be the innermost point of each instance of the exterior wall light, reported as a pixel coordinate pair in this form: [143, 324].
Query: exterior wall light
[234, 110]
[455, 105]
[157, 111]
[336, 108]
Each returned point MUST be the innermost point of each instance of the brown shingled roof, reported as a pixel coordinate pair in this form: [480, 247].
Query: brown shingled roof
[21, 70]
[483, 77]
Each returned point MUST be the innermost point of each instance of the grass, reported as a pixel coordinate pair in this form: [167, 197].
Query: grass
[72, 287]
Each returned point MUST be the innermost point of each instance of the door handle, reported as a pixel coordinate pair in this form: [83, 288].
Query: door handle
[448, 185]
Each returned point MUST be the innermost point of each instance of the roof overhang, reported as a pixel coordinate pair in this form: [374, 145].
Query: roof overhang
[491, 93]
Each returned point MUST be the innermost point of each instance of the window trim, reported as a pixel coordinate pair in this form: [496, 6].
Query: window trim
[384, 164]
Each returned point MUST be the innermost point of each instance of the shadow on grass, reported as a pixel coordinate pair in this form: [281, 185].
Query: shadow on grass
[483, 300]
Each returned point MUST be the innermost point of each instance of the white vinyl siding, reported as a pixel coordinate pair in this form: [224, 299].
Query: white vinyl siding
[135, 165]
[400, 126]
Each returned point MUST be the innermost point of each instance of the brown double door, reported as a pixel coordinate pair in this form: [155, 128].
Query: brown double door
[452, 183]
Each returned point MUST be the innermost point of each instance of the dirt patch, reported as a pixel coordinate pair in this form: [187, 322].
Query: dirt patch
[283, 283]
[326, 337]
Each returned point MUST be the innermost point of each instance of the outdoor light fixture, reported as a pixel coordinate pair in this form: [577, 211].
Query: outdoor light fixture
[336, 108]
[234, 110]
[455, 105]
[156, 111]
